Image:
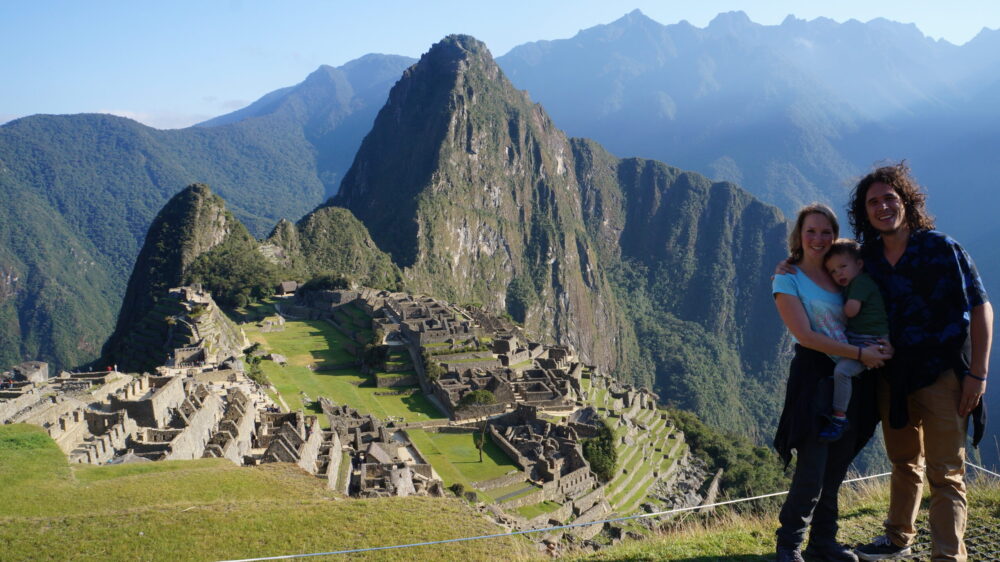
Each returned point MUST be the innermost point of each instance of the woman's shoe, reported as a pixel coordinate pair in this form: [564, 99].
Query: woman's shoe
[831, 551]
[789, 554]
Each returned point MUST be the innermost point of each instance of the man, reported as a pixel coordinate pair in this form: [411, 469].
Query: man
[941, 325]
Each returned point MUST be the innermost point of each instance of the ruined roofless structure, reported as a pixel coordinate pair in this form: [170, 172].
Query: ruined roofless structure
[550, 454]
[385, 462]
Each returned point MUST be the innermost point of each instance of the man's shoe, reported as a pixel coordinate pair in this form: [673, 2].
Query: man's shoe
[833, 430]
[789, 554]
[881, 549]
[831, 551]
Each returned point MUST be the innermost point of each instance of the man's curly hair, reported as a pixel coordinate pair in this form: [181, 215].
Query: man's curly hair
[899, 178]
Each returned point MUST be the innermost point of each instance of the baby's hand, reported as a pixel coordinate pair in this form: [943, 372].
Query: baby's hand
[874, 356]
[784, 268]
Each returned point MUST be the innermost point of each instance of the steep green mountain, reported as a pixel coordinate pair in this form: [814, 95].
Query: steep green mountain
[470, 188]
[93, 183]
[195, 239]
[331, 240]
[656, 274]
[688, 260]
[54, 295]
[194, 226]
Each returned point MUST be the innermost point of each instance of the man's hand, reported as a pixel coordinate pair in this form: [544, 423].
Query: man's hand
[972, 393]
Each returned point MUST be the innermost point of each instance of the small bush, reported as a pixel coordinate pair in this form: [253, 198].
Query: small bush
[480, 397]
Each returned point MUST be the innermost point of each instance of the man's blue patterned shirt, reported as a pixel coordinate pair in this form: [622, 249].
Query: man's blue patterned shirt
[928, 296]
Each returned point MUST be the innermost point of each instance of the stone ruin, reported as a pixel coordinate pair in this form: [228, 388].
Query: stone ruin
[199, 406]
[548, 453]
[384, 461]
[533, 374]
[552, 457]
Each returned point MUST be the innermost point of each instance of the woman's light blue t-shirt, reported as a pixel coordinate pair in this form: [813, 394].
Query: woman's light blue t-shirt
[824, 309]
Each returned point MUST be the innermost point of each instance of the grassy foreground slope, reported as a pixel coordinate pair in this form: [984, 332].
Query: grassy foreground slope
[730, 537]
[209, 510]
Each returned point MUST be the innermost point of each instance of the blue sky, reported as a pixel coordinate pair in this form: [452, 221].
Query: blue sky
[174, 63]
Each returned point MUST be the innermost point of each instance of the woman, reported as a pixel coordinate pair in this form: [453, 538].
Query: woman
[811, 306]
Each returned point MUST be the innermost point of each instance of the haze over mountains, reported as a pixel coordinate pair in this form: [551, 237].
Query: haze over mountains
[613, 255]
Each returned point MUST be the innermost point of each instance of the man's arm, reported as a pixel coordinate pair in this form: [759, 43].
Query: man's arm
[981, 334]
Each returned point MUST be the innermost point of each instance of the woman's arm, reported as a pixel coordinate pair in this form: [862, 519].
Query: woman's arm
[794, 316]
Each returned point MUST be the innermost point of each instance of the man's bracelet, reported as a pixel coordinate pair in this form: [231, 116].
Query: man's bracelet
[983, 379]
[859, 353]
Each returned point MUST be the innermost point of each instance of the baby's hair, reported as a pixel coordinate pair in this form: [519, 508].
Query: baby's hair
[843, 247]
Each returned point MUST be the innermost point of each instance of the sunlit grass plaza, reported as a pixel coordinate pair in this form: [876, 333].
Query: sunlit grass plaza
[313, 345]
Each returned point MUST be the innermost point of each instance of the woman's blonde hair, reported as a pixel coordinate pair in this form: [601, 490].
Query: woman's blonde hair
[795, 236]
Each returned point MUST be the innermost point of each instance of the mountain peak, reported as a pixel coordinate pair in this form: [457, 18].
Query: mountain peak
[192, 222]
[457, 46]
[731, 21]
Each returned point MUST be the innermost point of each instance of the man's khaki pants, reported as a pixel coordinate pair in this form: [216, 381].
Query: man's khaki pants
[935, 437]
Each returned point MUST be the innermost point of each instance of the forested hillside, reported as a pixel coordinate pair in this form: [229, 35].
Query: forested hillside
[81, 191]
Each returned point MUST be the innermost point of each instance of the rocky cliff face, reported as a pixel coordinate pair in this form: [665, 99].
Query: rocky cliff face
[691, 260]
[472, 190]
[655, 274]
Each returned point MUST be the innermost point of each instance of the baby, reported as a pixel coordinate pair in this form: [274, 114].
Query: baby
[866, 324]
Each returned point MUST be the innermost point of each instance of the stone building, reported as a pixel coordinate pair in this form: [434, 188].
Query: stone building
[384, 460]
[32, 371]
[550, 454]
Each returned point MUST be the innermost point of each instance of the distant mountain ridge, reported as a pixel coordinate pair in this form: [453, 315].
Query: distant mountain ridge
[791, 111]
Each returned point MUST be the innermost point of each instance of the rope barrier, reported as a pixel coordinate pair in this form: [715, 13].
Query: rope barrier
[976, 466]
[569, 526]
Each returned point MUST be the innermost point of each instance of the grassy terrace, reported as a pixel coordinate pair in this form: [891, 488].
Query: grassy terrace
[353, 318]
[316, 343]
[210, 509]
[456, 458]
[514, 491]
[399, 358]
[627, 489]
[532, 511]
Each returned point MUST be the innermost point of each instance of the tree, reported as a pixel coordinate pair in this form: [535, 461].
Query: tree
[600, 452]
[327, 282]
[432, 368]
[477, 398]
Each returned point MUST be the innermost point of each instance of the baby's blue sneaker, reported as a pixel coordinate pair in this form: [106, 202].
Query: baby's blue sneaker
[833, 430]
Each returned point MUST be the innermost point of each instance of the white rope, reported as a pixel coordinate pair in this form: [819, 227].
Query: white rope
[976, 466]
[546, 529]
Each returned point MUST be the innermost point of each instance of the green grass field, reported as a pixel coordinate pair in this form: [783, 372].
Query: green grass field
[532, 511]
[210, 509]
[456, 458]
[304, 343]
[348, 387]
[317, 343]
